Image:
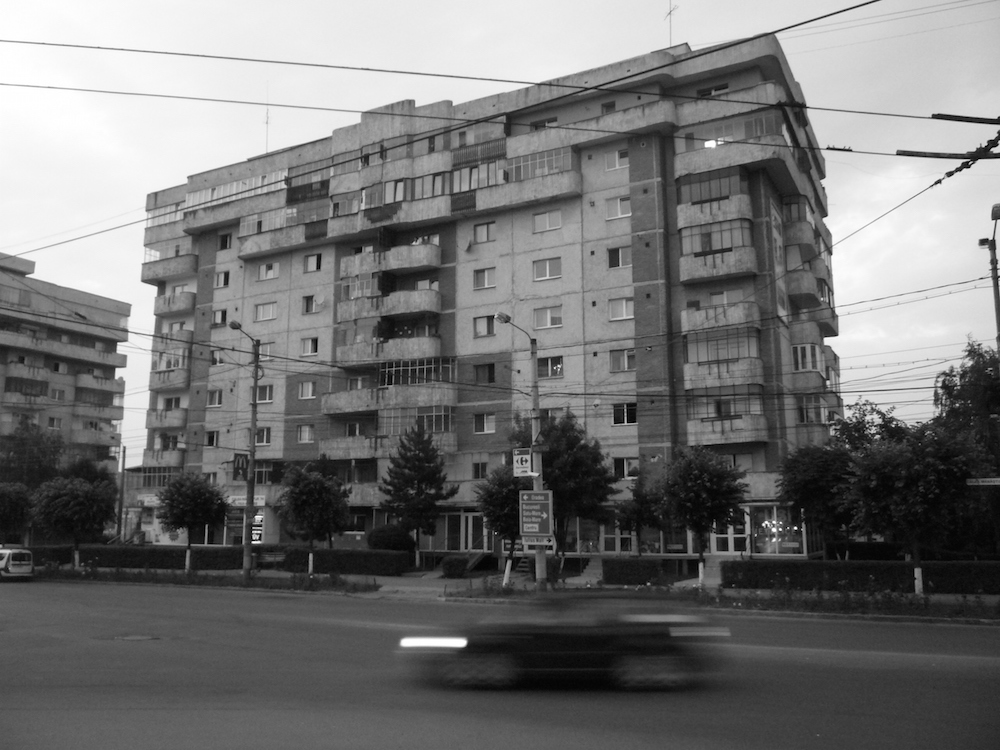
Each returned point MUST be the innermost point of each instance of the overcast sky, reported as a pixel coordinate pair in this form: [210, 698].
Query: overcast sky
[911, 288]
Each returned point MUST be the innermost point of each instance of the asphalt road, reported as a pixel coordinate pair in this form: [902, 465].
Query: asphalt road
[117, 666]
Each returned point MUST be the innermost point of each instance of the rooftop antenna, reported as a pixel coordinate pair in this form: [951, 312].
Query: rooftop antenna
[267, 115]
[670, 17]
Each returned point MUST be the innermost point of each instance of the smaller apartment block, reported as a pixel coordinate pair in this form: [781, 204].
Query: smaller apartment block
[657, 225]
[58, 357]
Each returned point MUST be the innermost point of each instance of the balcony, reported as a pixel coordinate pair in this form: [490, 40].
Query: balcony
[169, 268]
[103, 438]
[166, 419]
[747, 428]
[365, 495]
[279, 240]
[379, 446]
[803, 291]
[60, 350]
[85, 380]
[717, 316]
[169, 380]
[408, 302]
[370, 352]
[103, 413]
[163, 459]
[20, 402]
[28, 372]
[747, 371]
[803, 234]
[372, 399]
[812, 434]
[530, 192]
[740, 261]
[823, 316]
[710, 212]
[169, 341]
[181, 303]
[771, 152]
[409, 258]
[761, 485]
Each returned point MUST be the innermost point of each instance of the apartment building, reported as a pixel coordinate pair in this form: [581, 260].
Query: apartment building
[58, 357]
[655, 224]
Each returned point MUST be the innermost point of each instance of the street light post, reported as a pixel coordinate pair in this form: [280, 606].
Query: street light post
[248, 510]
[991, 245]
[537, 485]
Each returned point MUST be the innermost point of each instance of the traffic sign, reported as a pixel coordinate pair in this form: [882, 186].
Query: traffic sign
[522, 462]
[984, 481]
[535, 512]
[535, 541]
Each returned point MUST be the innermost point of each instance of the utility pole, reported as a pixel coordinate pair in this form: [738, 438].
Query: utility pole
[248, 510]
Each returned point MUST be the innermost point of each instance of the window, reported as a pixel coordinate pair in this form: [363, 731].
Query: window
[211, 438]
[712, 186]
[221, 279]
[263, 436]
[267, 271]
[310, 346]
[225, 241]
[622, 360]
[625, 413]
[178, 325]
[546, 123]
[265, 350]
[810, 409]
[355, 383]
[616, 159]
[484, 423]
[211, 477]
[305, 433]
[622, 308]
[549, 268]
[619, 257]
[625, 467]
[485, 373]
[218, 317]
[715, 90]
[57, 394]
[484, 278]
[171, 403]
[484, 232]
[807, 357]
[547, 220]
[550, 367]
[480, 469]
[59, 367]
[55, 423]
[721, 346]
[313, 263]
[307, 389]
[353, 429]
[548, 317]
[215, 397]
[619, 207]
[720, 237]
[265, 394]
[309, 305]
[215, 356]
[482, 326]
[607, 107]
[265, 311]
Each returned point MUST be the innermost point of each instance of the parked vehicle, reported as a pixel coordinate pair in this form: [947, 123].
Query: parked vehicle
[16, 562]
[632, 644]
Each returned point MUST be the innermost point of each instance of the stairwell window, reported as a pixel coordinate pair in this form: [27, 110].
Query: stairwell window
[214, 398]
[310, 346]
[484, 424]
[622, 360]
[484, 278]
[307, 389]
[265, 394]
[263, 436]
[619, 257]
[616, 159]
[305, 433]
[313, 263]
[548, 268]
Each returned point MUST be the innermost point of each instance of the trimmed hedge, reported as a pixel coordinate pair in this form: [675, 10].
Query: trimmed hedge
[454, 566]
[847, 575]
[635, 571]
[217, 557]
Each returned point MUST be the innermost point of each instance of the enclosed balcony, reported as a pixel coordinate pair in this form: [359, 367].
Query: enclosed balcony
[27, 372]
[736, 314]
[747, 428]
[166, 419]
[740, 261]
[86, 380]
[379, 446]
[418, 347]
[104, 413]
[180, 303]
[408, 258]
[165, 269]
[163, 459]
[746, 371]
[104, 438]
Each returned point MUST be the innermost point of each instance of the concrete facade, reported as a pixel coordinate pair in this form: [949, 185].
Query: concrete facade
[656, 224]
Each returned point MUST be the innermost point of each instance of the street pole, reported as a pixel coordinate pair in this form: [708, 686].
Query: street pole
[537, 483]
[248, 510]
[992, 244]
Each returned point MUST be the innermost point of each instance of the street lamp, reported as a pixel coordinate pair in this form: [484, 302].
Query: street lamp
[248, 510]
[541, 573]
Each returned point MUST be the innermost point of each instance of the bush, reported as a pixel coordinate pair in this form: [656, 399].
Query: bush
[633, 571]
[390, 537]
[454, 566]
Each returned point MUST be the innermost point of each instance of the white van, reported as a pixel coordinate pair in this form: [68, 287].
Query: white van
[16, 562]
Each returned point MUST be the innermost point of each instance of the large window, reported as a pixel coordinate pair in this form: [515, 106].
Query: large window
[722, 345]
[548, 268]
[624, 413]
[547, 220]
[807, 357]
[720, 237]
[548, 317]
[711, 186]
[622, 360]
[550, 367]
[484, 278]
[622, 308]
[537, 165]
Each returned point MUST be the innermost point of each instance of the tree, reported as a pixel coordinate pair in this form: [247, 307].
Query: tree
[911, 489]
[191, 502]
[866, 424]
[313, 506]
[74, 508]
[573, 468]
[15, 511]
[415, 484]
[641, 510]
[703, 492]
[30, 455]
[498, 498]
[813, 478]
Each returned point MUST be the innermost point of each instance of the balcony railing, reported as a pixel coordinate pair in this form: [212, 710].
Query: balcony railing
[718, 316]
[746, 428]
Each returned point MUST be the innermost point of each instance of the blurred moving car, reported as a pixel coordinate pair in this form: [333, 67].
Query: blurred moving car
[631, 643]
[16, 562]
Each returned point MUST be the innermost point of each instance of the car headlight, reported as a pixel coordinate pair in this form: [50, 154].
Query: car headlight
[439, 642]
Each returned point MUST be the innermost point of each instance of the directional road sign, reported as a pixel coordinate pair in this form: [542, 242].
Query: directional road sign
[983, 481]
[522, 462]
[536, 513]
